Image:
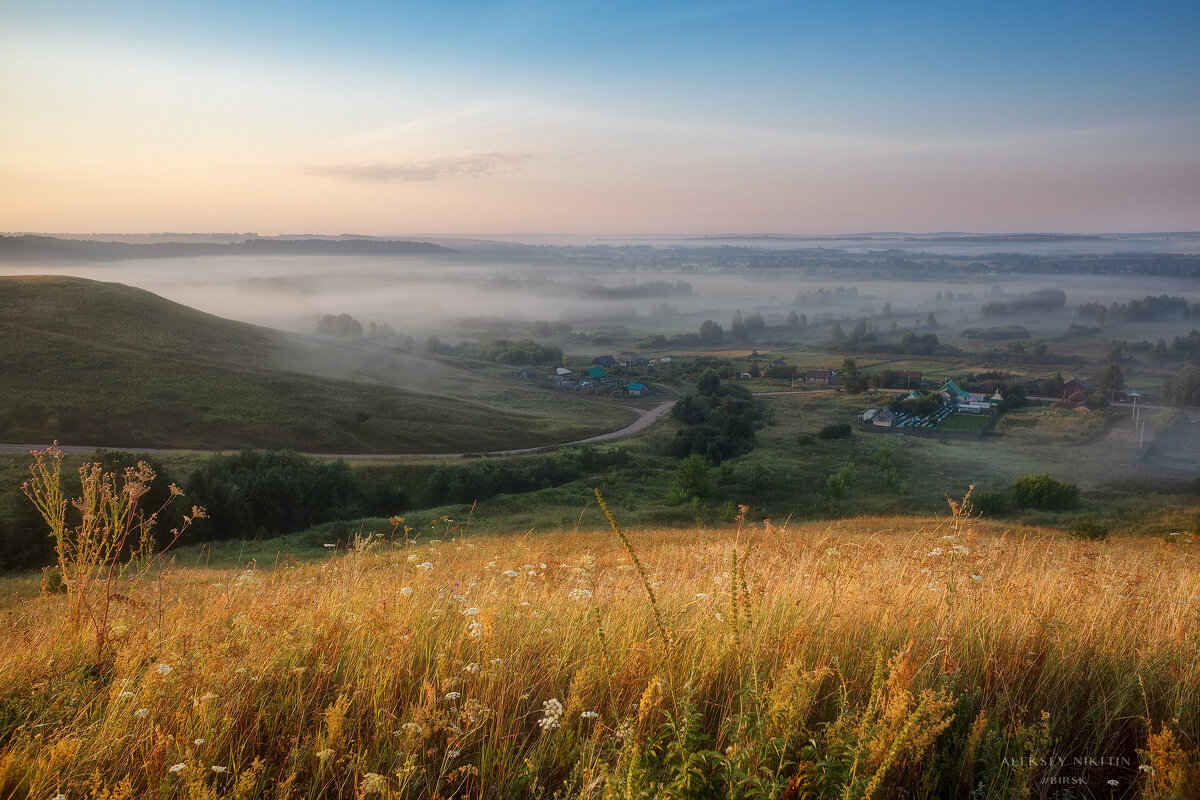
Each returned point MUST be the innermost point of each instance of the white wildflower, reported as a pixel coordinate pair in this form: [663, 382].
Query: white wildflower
[579, 594]
[499, 662]
[177, 768]
[552, 711]
[935, 552]
[124, 695]
[412, 728]
[458, 598]
[373, 783]
[960, 550]
[508, 573]
[423, 565]
[325, 754]
[453, 695]
[412, 556]
[453, 753]
[406, 591]
[472, 668]
[588, 714]
[977, 578]
[702, 595]
[474, 630]
[197, 742]
[164, 669]
[142, 713]
[470, 612]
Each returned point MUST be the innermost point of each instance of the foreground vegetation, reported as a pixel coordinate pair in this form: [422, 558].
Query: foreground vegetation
[877, 657]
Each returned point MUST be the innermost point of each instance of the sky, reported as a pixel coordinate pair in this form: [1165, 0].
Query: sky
[596, 117]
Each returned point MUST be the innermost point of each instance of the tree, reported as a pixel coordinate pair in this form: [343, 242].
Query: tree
[709, 382]
[1184, 388]
[737, 329]
[793, 321]
[931, 321]
[711, 332]
[691, 479]
[1112, 381]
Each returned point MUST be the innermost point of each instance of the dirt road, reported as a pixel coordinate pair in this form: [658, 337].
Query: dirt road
[645, 420]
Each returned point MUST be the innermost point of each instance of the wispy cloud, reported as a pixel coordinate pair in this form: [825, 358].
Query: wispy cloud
[465, 165]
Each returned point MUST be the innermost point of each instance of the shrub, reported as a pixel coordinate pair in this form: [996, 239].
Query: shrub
[1044, 492]
[805, 439]
[841, 430]
[990, 503]
[1089, 529]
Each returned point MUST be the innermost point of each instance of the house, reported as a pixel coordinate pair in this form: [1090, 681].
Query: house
[822, 376]
[627, 358]
[869, 414]
[884, 418]
[779, 362]
[604, 361]
[906, 379]
[597, 372]
[1075, 386]
[951, 392]
[636, 389]
[996, 399]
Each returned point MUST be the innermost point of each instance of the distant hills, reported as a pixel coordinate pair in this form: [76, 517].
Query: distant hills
[31, 247]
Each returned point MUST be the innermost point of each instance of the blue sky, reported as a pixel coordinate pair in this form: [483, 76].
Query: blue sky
[599, 117]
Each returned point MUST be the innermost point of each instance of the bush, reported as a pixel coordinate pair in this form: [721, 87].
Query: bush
[1089, 529]
[1044, 492]
[841, 430]
[990, 503]
[805, 439]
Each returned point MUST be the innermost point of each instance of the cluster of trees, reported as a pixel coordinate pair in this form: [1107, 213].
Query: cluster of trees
[344, 326]
[1149, 309]
[644, 289]
[525, 351]
[744, 329]
[1037, 300]
[824, 297]
[720, 421]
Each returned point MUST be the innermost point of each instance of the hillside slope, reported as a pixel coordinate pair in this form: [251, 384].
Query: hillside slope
[96, 363]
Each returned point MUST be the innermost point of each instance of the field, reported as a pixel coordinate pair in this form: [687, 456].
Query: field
[873, 657]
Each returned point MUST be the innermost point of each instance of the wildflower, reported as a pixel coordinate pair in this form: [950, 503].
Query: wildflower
[240, 670]
[413, 728]
[579, 594]
[142, 713]
[219, 770]
[124, 695]
[552, 711]
[935, 552]
[470, 612]
[588, 714]
[453, 753]
[412, 556]
[472, 668]
[325, 754]
[702, 595]
[508, 573]
[458, 598]
[59, 796]
[177, 768]
[499, 662]
[977, 578]
[474, 630]
[406, 591]
[198, 742]
[164, 669]
[423, 565]
[373, 783]
[1113, 782]
[960, 550]
[453, 695]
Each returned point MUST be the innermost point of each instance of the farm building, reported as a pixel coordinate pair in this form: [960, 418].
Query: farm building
[636, 389]
[821, 376]
[597, 372]
[627, 358]
[604, 361]
[907, 379]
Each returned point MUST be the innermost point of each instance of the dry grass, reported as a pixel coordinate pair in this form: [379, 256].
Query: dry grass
[852, 659]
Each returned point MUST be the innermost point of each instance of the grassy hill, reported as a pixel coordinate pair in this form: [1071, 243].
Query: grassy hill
[104, 364]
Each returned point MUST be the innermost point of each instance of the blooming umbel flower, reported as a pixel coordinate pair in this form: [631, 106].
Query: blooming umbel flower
[219, 769]
[325, 754]
[552, 712]
[142, 713]
[373, 783]
[163, 669]
[406, 591]
[177, 768]
[453, 695]
[424, 565]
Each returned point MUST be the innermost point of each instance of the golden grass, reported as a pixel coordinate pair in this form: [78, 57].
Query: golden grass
[849, 659]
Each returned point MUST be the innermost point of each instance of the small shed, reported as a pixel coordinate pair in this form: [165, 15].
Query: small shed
[636, 389]
[597, 372]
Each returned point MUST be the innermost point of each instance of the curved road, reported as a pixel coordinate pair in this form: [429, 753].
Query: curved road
[645, 420]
